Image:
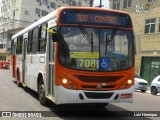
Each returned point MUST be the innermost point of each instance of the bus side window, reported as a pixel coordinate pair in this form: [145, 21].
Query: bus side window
[29, 42]
[12, 47]
[19, 45]
[34, 48]
[42, 38]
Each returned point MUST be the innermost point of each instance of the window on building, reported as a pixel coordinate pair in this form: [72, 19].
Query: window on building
[2, 58]
[38, 0]
[159, 25]
[74, 3]
[1, 46]
[38, 11]
[79, 3]
[53, 5]
[151, 0]
[150, 25]
[116, 4]
[64, 1]
[44, 13]
[43, 1]
[127, 3]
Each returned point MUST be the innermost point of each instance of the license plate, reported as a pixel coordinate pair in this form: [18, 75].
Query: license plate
[126, 96]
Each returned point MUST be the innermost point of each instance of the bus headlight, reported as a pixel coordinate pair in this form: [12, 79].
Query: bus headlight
[127, 84]
[68, 84]
[129, 81]
[64, 81]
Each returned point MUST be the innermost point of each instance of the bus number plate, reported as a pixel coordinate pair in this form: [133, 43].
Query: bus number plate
[88, 63]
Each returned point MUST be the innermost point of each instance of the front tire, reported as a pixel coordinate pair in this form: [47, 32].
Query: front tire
[153, 90]
[41, 93]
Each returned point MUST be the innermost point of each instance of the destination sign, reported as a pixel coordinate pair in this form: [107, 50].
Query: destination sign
[95, 17]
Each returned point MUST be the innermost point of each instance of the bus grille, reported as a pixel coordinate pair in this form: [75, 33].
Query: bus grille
[92, 95]
[85, 86]
[98, 79]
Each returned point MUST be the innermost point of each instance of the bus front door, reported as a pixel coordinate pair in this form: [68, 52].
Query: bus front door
[24, 49]
[13, 58]
[51, 66]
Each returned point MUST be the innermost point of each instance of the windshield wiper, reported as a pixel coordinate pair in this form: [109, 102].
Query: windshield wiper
[88, 37]
[109, 40]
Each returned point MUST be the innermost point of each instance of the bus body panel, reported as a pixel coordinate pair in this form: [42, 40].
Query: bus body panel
[34, 66]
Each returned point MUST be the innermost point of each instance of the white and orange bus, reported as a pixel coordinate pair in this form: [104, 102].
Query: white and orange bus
[77, 55]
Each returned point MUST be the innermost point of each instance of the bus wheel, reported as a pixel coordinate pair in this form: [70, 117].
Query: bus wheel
[41, 93]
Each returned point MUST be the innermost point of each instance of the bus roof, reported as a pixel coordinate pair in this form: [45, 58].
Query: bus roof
[37, 23]
[54, 14]
[95, 8]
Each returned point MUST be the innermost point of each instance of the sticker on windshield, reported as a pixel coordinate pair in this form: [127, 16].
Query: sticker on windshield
[79, 47]
[72, 47]
[104, 62]
[84, 55]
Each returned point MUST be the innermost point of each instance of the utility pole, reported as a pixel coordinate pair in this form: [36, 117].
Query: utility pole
[100, 5]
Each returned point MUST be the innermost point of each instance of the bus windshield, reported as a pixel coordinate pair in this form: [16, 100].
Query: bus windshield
[111, 49]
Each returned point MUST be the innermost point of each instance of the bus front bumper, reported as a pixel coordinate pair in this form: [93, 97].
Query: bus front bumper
[69, 96]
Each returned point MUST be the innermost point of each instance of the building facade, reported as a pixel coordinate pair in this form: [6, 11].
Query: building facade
[17, 14]
[145, 16]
